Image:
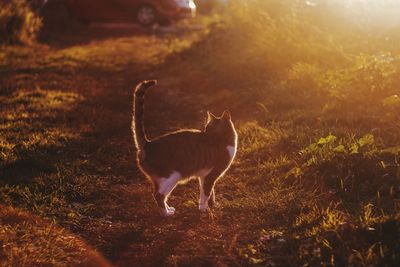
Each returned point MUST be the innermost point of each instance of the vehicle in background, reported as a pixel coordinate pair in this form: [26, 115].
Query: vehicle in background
[145, 12]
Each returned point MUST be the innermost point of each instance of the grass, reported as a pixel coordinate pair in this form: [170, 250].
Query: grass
[326, 102]
[31, 241]
[316, 178]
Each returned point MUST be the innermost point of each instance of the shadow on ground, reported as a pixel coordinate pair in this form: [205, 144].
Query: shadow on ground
[92, 170]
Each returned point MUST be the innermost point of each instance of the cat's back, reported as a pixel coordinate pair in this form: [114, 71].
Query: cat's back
[185, 151]
[180, 138]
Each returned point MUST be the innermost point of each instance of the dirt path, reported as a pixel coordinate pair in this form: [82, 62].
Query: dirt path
[111, 203]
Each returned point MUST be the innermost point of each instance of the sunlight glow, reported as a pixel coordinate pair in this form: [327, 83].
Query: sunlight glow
[377, 12]
[386, 3]
[384, 13]
[369, 4]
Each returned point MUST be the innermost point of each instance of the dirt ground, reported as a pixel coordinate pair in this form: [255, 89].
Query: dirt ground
[93, 71]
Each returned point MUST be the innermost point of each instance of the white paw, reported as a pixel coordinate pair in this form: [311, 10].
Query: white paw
[167, 212]
[203, 207]
[171, 209]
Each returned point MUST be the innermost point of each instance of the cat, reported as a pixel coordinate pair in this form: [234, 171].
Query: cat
[178, 156]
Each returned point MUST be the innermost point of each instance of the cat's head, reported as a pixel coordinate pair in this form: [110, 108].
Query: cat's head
[219, 125]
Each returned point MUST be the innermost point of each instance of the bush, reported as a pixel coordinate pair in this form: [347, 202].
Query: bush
[303, 55]
[355, 168]
[18, 23]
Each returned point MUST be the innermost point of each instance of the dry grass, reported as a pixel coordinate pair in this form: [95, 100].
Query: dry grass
[316, 180]
[31, 241]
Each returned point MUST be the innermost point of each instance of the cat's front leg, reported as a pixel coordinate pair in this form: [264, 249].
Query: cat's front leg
[211, 200]
[207, 195]
[203, 200]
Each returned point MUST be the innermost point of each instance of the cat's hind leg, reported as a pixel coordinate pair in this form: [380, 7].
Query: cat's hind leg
[163, 189]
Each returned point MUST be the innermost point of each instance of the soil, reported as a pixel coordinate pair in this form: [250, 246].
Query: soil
[102, 63]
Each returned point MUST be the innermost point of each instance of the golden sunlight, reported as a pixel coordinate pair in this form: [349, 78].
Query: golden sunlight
[377, 12]
[287, 113]
[383, 13]
[357, 4]
[374, 5]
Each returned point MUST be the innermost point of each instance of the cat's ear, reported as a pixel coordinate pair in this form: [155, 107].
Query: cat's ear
[210, 117]
[226, 115]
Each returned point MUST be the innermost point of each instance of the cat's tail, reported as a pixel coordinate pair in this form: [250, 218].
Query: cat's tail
[139, 135]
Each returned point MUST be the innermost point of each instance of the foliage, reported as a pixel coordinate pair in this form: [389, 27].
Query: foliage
[19, 24]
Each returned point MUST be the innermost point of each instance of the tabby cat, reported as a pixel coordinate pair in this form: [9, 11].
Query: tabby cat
[175, 157]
